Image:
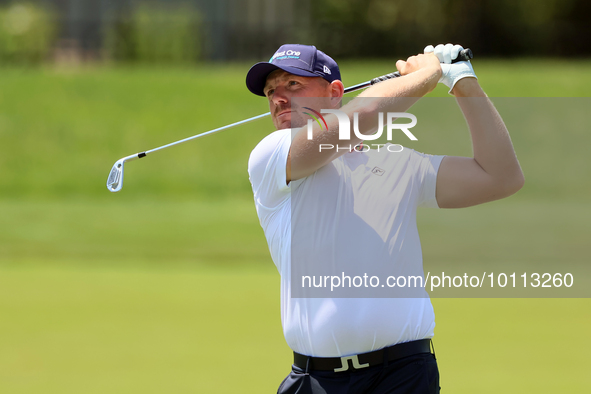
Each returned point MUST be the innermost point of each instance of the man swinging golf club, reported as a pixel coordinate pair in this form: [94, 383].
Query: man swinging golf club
[351, 208]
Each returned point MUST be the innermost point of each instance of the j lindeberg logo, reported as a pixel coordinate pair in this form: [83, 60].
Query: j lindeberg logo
[345, 126]
[377, 171]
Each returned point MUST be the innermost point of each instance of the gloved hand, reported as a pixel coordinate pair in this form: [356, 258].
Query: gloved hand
[451, 73]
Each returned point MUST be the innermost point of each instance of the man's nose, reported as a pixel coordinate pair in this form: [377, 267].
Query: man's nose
[280, 96]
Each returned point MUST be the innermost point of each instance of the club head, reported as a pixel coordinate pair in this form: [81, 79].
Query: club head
[115, 180]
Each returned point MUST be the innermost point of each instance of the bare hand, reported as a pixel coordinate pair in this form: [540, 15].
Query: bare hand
[415, 63]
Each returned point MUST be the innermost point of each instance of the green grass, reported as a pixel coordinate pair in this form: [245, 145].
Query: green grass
[156, 297]
[113, 330]
[146, 233]
[158, 288]
[96, 330]
[501, 78]
[169, 234]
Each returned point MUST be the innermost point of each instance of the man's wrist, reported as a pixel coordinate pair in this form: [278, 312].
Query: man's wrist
[430, 77]
[468, 87]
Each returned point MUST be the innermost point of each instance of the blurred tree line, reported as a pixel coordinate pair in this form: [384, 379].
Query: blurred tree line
[493, 27]
[154, 33]
[148, 32]
[184, 31]
[27, 33]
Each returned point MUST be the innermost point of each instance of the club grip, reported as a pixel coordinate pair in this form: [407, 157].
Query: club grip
[385, 77]
[464, 56]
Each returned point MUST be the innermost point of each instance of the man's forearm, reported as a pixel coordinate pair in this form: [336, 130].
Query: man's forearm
[416, 84]
[491, 143]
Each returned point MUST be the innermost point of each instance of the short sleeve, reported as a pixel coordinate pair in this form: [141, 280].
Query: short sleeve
[426, 167]
[267, 170]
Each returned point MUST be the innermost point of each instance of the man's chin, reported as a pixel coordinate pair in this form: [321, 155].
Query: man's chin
[284, 125]
[290, 124]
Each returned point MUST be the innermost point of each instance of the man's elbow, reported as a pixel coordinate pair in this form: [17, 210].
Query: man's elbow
[512, 184]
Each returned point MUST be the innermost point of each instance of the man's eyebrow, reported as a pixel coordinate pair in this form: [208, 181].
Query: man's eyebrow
[282, 76]
[267, 83]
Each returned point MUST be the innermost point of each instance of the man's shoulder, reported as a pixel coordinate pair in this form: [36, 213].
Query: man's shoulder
[266, 148]
[268, 144]
[274, 137]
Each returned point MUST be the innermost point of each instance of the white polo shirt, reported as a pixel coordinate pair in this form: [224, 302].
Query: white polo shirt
[360, 202]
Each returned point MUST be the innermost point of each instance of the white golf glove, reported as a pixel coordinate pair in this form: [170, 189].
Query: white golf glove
[451, 73]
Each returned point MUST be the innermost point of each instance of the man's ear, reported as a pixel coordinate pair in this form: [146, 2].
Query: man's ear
[337, 89]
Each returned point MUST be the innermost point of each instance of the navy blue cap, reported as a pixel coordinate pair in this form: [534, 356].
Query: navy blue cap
[302, 60]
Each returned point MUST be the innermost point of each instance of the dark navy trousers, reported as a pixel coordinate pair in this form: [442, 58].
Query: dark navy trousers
[417, 374]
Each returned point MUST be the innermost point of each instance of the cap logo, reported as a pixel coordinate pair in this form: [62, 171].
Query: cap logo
[289, 54]
[326, 70]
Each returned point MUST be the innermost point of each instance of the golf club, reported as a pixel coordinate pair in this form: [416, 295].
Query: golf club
[115, 179]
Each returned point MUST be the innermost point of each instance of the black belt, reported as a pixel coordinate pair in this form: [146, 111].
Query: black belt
[363, 360]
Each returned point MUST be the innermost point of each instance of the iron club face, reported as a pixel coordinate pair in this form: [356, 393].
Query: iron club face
[115, 180]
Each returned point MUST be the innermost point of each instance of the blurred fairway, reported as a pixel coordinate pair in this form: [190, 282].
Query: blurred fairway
[162, 287]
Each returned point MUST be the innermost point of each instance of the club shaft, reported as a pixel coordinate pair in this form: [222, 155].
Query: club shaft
[204, 134]
[347, 90]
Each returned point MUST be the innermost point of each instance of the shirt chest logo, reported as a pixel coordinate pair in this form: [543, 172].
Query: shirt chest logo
[377, 171]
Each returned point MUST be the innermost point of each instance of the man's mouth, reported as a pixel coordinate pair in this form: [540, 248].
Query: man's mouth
[283, 113]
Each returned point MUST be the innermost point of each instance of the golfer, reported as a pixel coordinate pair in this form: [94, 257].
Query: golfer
[351, 208]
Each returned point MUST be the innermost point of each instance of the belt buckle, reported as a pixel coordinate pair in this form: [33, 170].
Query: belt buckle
[354, 361]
